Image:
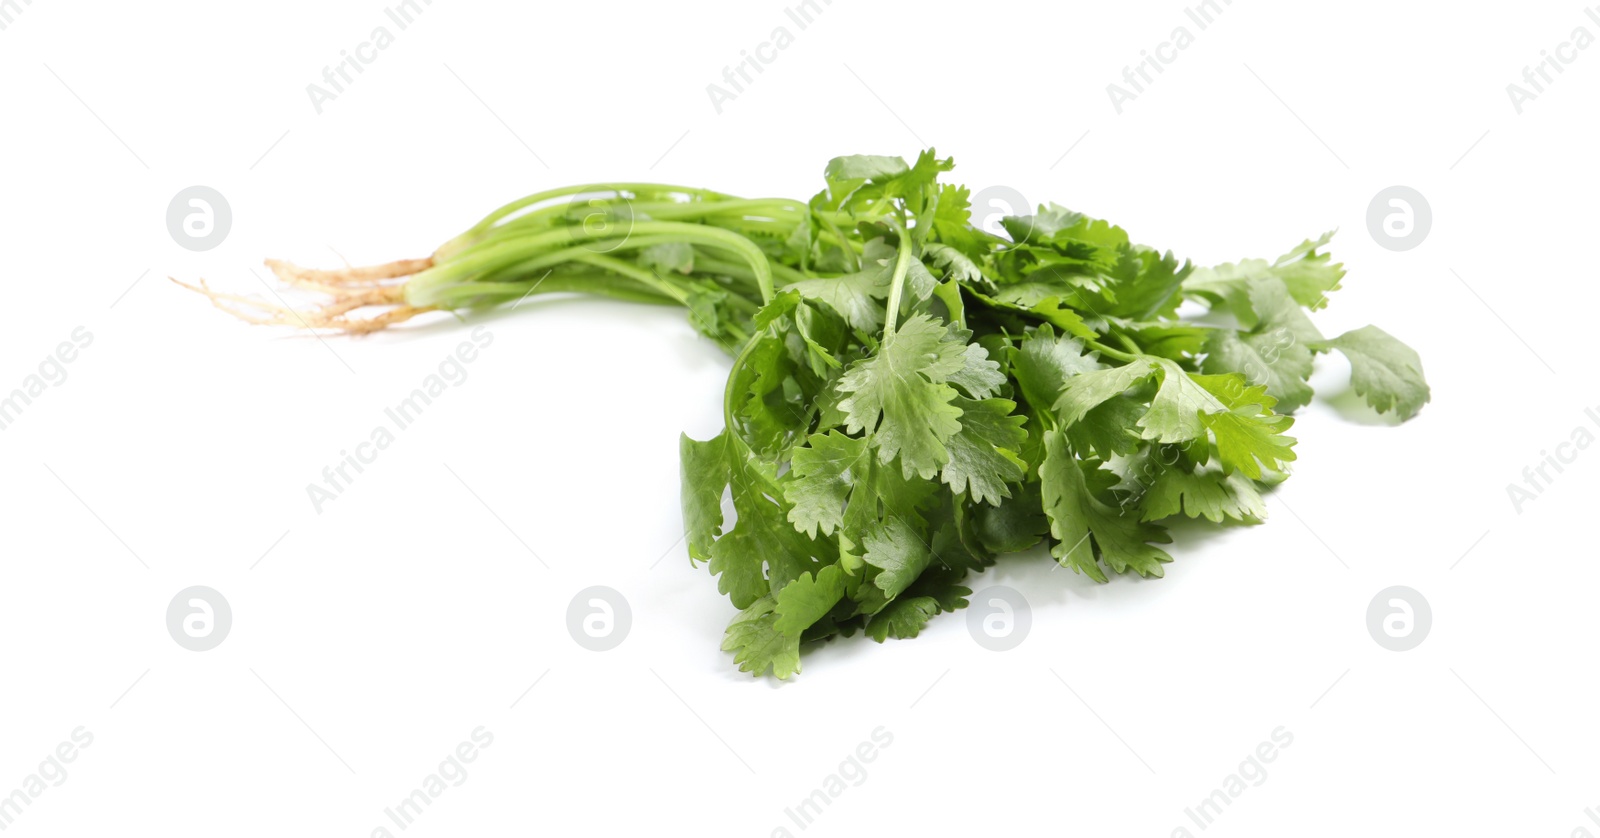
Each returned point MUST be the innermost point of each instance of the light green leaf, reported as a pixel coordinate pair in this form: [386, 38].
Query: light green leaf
[1204, 492]
[1043, 363]
[757, 644]
[1081, 523]
[808, 599]
[865, 167]
[1384, 371]
[1085, 390]
[979, 377]
[1273, 359]
[899, 554]
[983, 455]
[901, 397]
[822, 473]
[1309, 276]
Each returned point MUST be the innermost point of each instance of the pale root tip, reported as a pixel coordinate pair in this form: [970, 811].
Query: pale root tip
[350, 291]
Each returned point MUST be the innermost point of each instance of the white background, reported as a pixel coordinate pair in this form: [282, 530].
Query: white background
[374, 637]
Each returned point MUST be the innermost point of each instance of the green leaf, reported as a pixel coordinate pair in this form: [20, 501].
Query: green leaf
[901, 397]
[935, 591]
[854, 296]
[757, 643]
[1272, 359]
[1384, 371]
[1084, 391]
[902, 619]
[1082, 524]
[1245, 435]
[983, 455]
[704, 468]
[1043, 363]
[1310, 276]
[865, 167]
[822, 474]
[1164, 338]
[899, 554]
[1109, 429]
[1015, 524]
[1145, 283]
[808, 599]
[1275, 308]
[1062, 236]
[1276, 350]
[978, 377]
[952, 262]
[1037, 300]
[1204, 492]
[763, 551]
[1238, 416]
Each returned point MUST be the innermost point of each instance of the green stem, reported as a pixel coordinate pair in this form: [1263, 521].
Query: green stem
[580, 189]
[729, 389]
[535, 250]
[902, 266]
[1109, 352]
[644, 277]
[594, 282]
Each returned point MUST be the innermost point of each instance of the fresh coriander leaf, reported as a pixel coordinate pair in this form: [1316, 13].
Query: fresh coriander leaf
[901, 397]
[1043, 363]
[978, 377]
[1244, 436]
[1084, 391]
[1032, 300]
[1109, 429]
[899, 554]
[935, 591]
[1384, 371]
[983, 454]
[763, 551]
[855, 295]
[1239, 418]
[1204, 491]
[1273, 307]
[865, 167]
[952, 262]
[757, 643]
[1272, 358]
[808, 599]
[1013, 525]
[902, 619]
[1310, 277]
[1081, 523]
[1145, 283]
[822, 474]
